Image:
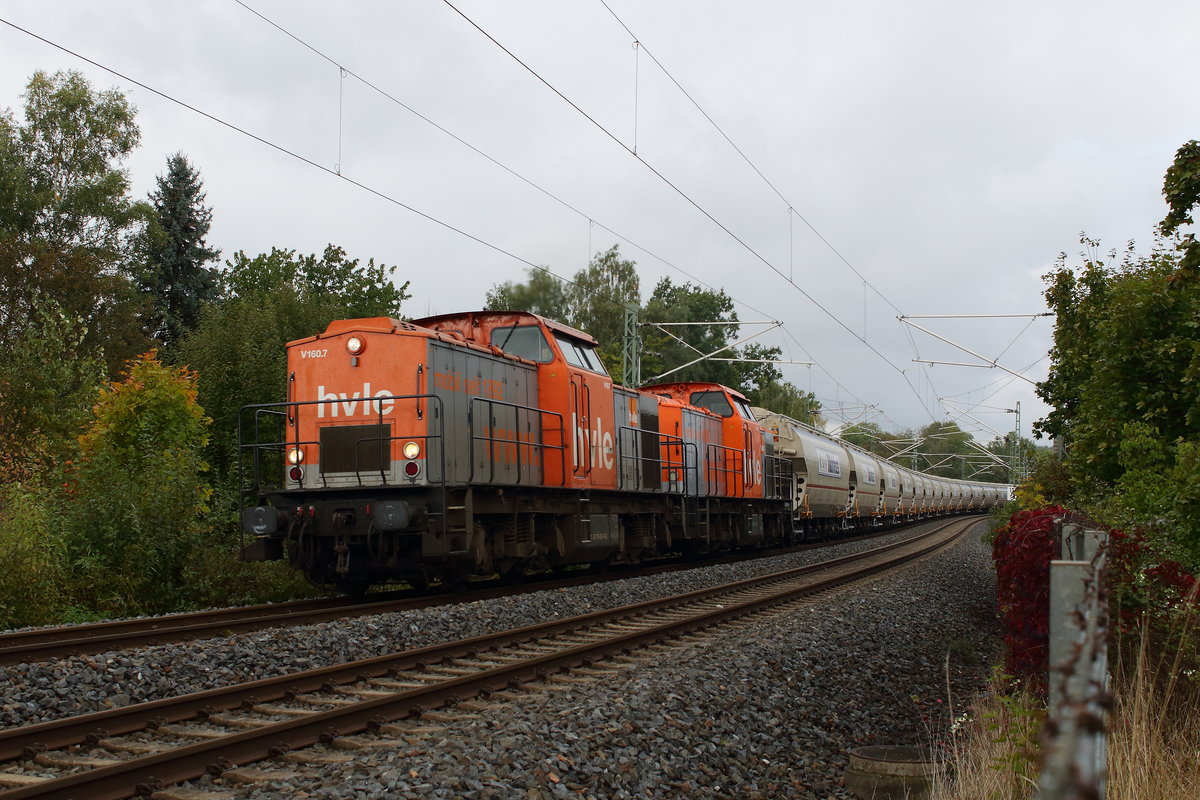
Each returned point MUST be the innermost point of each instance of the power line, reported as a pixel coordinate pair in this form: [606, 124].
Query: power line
[670, 184]
[377, 192]
[280, 148]
[746, 158]
[592, 221]
[384, 93]
[335, 173]
[791, 209]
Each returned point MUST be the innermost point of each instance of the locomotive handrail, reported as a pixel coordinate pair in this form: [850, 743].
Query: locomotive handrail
[667, 442]
[519, 445]
[244, 487]
[718, 472]
[587, 428]
[778, 472]
[663, 443]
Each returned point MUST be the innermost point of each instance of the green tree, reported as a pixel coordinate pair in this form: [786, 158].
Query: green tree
[67, 221]
[48, 381]
[31, 546]
[1126, 349]
[599, 296]
[1125, 386]
[669, 347]
[944, 450]
[869, 436]
[595, 301]
[784, 398]
[175, 275]
[542, 294]
[1181, 188]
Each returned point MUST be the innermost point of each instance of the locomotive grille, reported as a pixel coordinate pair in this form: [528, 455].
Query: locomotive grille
[355, 448]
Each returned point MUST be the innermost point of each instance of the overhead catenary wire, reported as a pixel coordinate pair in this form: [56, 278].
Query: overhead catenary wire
[787, 202]
[592, 223]
[746, 158]
[633, 152]
[758, 256]
[286, 151]
[335, 172]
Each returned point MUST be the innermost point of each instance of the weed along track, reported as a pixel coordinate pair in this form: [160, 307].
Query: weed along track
[141, 748]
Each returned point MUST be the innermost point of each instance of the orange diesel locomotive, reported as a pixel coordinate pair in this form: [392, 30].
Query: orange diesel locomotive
[487, 442]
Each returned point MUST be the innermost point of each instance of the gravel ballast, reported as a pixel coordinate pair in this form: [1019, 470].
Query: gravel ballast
[766, 709]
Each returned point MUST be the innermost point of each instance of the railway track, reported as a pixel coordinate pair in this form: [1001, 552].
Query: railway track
[138, 749]
[42, 644]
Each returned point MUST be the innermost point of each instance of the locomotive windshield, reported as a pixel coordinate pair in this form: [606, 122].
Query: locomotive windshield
[580, 354]
[714, 401]
[524, 341]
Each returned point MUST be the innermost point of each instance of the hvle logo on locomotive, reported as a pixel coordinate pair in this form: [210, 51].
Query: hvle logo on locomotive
[351, 405]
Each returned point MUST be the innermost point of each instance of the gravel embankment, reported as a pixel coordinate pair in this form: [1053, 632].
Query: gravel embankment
[766, 710]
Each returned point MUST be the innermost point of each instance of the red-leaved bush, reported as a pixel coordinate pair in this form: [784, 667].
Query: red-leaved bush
[1143, 583]
[1022, 552]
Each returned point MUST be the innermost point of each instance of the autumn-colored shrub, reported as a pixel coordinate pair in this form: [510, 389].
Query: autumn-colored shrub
[139, 494]
[1022, 551]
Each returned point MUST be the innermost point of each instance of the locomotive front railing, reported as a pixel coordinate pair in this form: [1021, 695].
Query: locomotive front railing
[291, 414]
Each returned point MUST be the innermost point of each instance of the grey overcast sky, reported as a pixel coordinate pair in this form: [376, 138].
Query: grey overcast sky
[928, 157]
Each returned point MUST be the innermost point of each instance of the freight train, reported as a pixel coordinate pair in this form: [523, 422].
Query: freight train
[491, 442]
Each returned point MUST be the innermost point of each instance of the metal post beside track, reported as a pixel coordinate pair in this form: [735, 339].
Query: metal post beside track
[1077, 745]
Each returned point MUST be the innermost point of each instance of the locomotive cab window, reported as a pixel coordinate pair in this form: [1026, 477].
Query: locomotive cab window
[524, 341]
[743, 408]
[714, 401]
[580, 354]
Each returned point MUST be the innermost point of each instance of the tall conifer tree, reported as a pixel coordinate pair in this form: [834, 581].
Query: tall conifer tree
[175, 276]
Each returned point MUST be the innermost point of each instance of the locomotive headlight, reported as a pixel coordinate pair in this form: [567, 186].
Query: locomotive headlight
[411, 450]
[295, 455]
[356, 344]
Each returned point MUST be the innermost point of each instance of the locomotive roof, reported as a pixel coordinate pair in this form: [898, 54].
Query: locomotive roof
[494, 318]
[686, 387]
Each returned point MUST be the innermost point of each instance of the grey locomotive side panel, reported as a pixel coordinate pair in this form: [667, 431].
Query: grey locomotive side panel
[652, 473]
[700, 433]
[491, 428]
[638, 450]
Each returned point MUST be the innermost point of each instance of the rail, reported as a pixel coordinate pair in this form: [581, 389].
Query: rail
[385, 688]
